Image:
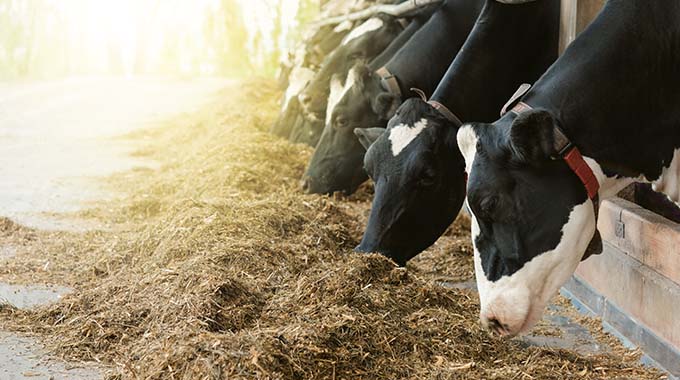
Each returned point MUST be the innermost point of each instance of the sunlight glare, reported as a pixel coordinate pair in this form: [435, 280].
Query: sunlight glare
[132, 36]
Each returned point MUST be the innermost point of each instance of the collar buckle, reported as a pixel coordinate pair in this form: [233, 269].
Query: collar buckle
[562, 144]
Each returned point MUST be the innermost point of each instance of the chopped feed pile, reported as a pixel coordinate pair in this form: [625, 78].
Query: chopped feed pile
[215, 266]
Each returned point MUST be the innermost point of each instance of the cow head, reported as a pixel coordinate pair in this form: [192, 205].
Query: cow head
[362, 43]
[532, 219]
[419, 177]
[361, 102]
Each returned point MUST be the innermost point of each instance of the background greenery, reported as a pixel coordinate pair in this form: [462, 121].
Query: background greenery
[58, 38]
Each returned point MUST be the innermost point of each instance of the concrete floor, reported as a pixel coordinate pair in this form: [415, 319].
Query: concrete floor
[55, 141]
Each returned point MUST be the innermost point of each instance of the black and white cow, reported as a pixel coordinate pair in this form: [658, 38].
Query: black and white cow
[364, 42]
[374, 43]
[606, 114]
[298, 71]
[327, 44]
[367, 39]
[417, 168]
[314, 98]
[306, 53]
[371, 95]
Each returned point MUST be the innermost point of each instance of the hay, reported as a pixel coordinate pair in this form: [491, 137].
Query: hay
[216, 266]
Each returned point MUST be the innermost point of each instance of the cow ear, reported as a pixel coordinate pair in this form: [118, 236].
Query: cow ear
[386, 105]
[367, 136]
[360, 74]
[531, 137]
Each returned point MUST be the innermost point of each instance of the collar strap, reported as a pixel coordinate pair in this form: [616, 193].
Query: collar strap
[389, 81]
[450, 116]
[570, 154]
[521, 91]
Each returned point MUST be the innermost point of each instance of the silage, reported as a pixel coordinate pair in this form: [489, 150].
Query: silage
[216, 266]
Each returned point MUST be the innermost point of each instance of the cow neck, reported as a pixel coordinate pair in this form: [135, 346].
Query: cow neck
[397, 43]
[422, 61]
[477, 84]
[603, 101]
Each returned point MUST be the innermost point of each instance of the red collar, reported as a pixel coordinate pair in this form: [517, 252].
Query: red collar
[570, 154]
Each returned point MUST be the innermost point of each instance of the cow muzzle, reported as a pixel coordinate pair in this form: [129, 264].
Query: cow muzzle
[508, 314]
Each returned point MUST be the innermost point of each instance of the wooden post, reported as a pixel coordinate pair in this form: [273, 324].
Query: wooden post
[587, 11]
[567, 23]
[576, 15]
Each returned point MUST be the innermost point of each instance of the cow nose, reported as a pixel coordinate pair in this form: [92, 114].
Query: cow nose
[362, 248]
[496, 327]
[306, 184]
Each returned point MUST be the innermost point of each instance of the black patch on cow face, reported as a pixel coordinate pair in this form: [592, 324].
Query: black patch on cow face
[337, 163]
[418, 192]
[520, 197]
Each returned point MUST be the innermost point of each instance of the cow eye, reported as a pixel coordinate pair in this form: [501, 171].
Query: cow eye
[488, 206]
[341, 121]
[426, 182]
[427, 178]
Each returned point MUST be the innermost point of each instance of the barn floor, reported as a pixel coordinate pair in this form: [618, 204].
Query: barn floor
[211, 264]
[52, 159]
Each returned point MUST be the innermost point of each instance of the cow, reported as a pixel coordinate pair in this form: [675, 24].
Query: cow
[299, 71]
[326, 43]
[365, 42]
[299, 77]
[371, 95]
[603, 116]
[377, 37]
[417, 168]
[309, 125]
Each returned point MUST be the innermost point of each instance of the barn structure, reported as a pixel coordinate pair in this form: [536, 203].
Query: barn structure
[634, 286]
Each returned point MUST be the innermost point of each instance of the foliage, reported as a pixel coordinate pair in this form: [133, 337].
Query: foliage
[51, 38]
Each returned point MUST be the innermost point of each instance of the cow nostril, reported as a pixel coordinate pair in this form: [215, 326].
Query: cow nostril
[495, 326]
[309, 186]
[493, 323]
[361, 248]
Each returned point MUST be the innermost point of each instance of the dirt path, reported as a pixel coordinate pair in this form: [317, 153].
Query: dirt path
[56, 139]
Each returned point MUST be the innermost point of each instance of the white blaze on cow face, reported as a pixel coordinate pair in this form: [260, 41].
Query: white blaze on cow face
[517, 301]
[299, 77]
[669, 182]
[370, 25]
[338, 91]
[402, 135]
